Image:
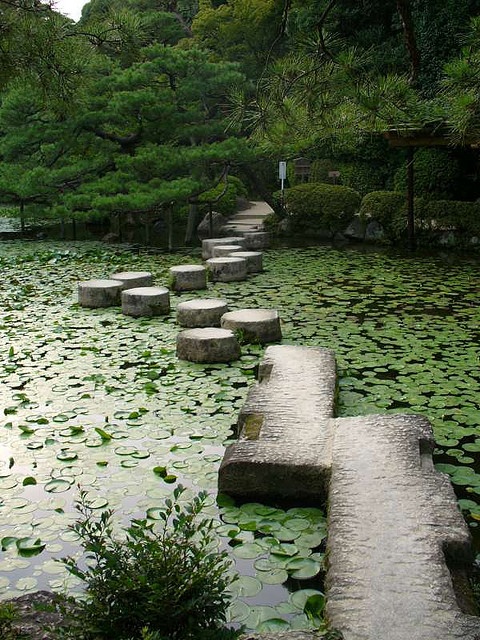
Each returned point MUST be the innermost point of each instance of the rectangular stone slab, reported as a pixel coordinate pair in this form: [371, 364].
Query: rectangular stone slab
[392, 520]
[284, 447]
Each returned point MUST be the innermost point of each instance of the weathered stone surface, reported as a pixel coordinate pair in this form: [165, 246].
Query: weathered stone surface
[133, 279]
[201, 313]
[255, 325]
[188, 277]
[284, 447]
[374, 231]
[392, 521]
[99, 293]
[209, 243]
[207, 345]
[146, 301]
[254, 260]
[356, 229]
[227, 269]
[255, 240]
[225, 250]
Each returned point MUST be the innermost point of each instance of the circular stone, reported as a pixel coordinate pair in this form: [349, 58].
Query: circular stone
[99, 293]
[254, 325]
[207, 345]
[209, 243]
[257, 240]
[227, 269]
[201, 313]
[132, 279]
[226, 250]
[188, 277]
[145, 301]
[254, 260]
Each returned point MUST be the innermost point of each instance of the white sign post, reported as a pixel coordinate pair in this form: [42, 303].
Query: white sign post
[282, 174]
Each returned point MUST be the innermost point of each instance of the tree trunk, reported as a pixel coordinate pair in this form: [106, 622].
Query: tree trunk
[191, 223]
[405, 13]
[410, 200]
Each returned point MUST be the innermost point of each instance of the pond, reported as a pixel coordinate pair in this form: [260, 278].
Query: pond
[98, 400]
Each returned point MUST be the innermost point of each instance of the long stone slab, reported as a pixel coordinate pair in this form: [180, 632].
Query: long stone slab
[284, 446]
[397, 543]
[393, 524]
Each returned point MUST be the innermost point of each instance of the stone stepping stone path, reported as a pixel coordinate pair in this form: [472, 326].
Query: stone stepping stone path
[146, 301]
[226, 250]
[255, 325]
[397, 542]
[201, 312]
[132, 279]
[227, 269]
[254, 260]
[209, 244]
[188, 277]
[207, 345]
[99, 293]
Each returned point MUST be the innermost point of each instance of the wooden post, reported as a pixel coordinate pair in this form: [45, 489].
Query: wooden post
[74, 229]
[22, 216]
[410, 199]
[210, 220]
[170, 227]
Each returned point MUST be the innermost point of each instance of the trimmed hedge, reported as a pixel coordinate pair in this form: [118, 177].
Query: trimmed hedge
[437, 174]
[389, 208]
[316, 207]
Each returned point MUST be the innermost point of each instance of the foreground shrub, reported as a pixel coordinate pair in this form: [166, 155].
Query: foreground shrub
[317, 207]
[161, 581]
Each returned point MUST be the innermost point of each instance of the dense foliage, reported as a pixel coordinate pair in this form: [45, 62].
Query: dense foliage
[316, 208]
[142, 106]
[165, 580]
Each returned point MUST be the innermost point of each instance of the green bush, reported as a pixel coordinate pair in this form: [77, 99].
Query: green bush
[436, 174]
[227, 203]
[464, 217]
[317, 207]
[167, 582]
[390, 210]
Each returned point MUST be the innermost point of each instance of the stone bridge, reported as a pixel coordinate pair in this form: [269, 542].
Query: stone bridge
[398, 547]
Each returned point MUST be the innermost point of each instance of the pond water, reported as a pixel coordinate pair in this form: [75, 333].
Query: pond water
[95, 399]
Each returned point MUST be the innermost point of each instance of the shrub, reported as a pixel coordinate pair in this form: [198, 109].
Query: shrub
[462, 216]
[390, 210]
[227, 204]
[165, 581]
[436, 171]
[315, 207]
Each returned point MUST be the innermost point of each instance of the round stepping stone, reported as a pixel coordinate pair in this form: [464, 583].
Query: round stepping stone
[210, 243]
[207, 345]
[254, 325]
[256, 240]
[188, 277]
[254, 260]
[99, 293]
[132, 279]
[226, 250]
[146, 301]
[227, 269]
[201, 313]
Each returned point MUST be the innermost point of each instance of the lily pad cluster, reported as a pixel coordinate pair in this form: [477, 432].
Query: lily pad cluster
[96, 399]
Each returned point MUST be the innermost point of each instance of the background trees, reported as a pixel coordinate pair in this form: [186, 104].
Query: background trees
[146, 103]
